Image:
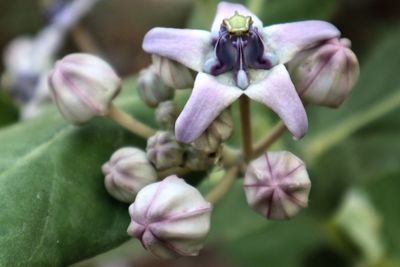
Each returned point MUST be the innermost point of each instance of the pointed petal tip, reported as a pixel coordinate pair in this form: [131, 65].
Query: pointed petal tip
[186, 46]
[208, 99]
[277, 92]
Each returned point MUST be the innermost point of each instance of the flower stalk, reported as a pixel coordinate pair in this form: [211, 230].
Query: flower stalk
[264, 143]
[223, 186]
[129, 122]
[245, 121]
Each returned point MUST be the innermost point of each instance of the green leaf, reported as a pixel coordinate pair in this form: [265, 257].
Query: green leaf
[8, 111]
[55, 210]
[384, 193]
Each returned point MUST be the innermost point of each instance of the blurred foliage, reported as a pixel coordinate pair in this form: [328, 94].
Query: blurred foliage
[8, 111]
[356, 146]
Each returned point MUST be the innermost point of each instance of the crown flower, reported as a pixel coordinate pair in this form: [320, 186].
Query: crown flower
[238, 57]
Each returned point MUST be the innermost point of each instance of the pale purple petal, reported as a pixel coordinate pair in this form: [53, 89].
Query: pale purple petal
[208, 99]
[277, 92]
[286, 39]
[188, 47]
[226, 10]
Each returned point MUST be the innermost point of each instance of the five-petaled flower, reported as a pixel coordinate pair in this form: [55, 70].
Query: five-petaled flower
[238, 57]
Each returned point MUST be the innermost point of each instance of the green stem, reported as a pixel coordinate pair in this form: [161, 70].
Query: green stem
[229, 156]
[331, 137]
[129, 122]
[263, 144]
[220, 189]
[247, 148]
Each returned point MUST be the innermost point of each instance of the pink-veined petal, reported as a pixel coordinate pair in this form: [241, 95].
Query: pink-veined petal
[208, 99]
[277, 92]
[188, 47]
[286, 39]
[226, 10]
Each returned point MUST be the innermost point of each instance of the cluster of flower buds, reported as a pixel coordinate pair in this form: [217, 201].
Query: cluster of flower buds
[170, 217]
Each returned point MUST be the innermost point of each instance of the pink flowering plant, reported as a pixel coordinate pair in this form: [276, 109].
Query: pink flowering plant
[172, 156]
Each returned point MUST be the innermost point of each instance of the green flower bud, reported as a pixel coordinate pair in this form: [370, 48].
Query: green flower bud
[219, 131]
[151, 89]
[164, 151]
[166, 114]
[173, 73]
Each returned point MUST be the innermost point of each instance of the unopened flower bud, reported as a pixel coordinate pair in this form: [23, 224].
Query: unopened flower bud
[324, 75]
[197, 160]
[277, 185]
[151, 88]
[164, 151]
[170, 218]
[83, 86]
[173, 73]
[219, 131]
[166, 114]
[127, 172]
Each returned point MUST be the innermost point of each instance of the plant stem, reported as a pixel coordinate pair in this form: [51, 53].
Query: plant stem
[84, 40]
[129, 122]
[269, 139]
[223, 186]
[229, 156]
[352, 123]
[245, 127]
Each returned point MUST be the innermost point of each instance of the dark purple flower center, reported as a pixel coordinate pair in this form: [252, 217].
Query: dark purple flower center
[239, 52]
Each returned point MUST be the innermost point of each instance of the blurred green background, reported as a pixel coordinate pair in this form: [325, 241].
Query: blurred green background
[352, 153]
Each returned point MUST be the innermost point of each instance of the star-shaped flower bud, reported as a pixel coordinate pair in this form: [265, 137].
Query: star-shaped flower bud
[127, 172]
[325, 74]
[170, 218]
[164, 151]
[277, 185]
[151, 89]
[238, 57]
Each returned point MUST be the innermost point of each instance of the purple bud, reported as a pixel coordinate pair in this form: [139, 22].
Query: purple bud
[151, 89]
[277, 185]
[170, 218]
[325, 74]
[83, 87]
[127, 172]
[164, 151]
